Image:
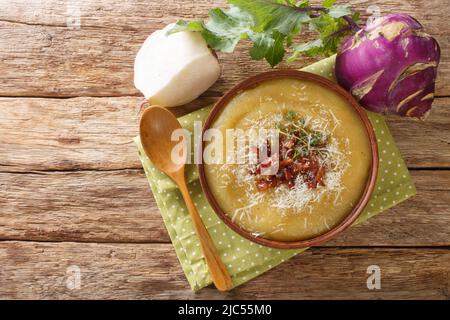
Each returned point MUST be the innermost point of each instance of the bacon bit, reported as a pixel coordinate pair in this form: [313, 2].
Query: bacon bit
[273, 182]
[265, 184]
[267, 163]
[262, 185]
[319, 176]
[289, 153]
[291, 184]
[290, 166]
[286, 148]
[308, 167]
[256, 170]
[288, 174]
[285, 163]
[302, 166]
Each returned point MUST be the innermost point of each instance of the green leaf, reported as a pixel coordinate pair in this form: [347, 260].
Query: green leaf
[328, 3]
[276, 53]
[339, 11]
[261, 10]
[279, 15]
[222, 31]
[309, 48]
[356, 17]
[262, 43]
[303, 4]
[290, 37]
[181, 25]
[225, 29]
[320, 23]
[291, 115]
[272, 26]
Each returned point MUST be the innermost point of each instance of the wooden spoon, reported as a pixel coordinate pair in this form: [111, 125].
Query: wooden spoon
[156, 127]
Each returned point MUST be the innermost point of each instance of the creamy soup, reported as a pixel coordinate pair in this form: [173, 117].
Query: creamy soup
[325, 149]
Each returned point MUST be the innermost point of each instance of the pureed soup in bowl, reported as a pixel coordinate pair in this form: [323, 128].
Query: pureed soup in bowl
[314, 183]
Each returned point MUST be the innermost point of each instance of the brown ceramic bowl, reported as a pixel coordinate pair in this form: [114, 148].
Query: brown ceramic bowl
[370, 184]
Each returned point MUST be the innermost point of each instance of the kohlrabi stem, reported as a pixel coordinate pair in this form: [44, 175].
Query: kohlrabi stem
[342, 30]
[352, 24]
[308, 9]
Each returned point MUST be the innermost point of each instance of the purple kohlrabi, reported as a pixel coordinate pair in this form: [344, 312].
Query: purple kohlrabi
[390, 66]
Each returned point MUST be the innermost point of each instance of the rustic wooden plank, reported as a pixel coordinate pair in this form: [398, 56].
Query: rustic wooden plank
[68, 134]
[117, 206]
[415, 222]
[72, 134]
[96, 133]
[151, 271]
[79, 206]
[45, 56]
[424, 143]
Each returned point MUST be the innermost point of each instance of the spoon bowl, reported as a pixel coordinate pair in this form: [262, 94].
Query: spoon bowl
[156, 129]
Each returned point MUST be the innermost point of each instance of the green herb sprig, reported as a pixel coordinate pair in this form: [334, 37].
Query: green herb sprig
[294, 127]
[272, 27]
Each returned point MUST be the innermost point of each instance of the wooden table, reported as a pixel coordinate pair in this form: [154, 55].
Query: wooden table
[73, 196]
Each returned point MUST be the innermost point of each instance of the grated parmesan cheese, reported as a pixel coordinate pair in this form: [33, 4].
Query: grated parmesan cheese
[300, 197]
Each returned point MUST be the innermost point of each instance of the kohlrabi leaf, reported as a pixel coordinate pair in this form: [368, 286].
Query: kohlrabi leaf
[276, 53]
[339, 11]
[222, 31]
[280, 15]
[330, 31]
[195, 25]
[261, 45]
[328, 3]
[309, 48]
[272, 26]
[225, 29]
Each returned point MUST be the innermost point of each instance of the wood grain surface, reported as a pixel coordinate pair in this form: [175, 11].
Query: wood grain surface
[151, 271]
[73, 194]
[96, 134]
[43, 57]
[117, 206]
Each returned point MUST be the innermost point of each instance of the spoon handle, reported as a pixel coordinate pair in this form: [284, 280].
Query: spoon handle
[217, 269]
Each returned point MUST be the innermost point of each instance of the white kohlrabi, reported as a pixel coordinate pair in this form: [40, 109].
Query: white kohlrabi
[172, 70]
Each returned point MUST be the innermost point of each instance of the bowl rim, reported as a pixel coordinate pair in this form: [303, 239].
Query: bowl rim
[373, 171]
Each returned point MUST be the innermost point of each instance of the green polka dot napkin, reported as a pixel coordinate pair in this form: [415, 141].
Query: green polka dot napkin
[243, 258]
